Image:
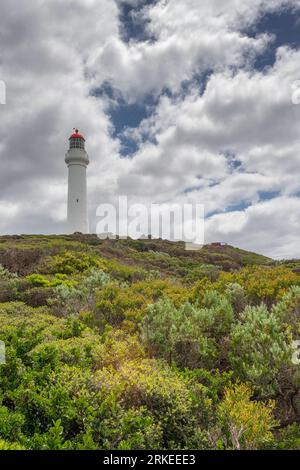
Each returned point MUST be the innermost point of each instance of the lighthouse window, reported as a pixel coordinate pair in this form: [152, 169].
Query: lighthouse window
[77, 143]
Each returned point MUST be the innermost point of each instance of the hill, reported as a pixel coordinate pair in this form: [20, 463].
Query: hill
[24, 253]
[124, 344]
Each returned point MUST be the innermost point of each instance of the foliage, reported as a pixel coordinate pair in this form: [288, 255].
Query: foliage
[288, 438]
[156, 289]
[259, 349]
[245, 424]
[288, 310]
[125, 344]
[4, 445]
[261, 283]
[41, 281]
[181, 408]
[71, 298]
[188, 335]
[5, 274]
[115, 304]
[75, 262]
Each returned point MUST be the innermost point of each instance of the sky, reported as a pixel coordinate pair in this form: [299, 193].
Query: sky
[180, 101]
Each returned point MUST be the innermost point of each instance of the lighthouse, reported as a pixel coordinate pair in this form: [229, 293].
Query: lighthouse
[77, 161]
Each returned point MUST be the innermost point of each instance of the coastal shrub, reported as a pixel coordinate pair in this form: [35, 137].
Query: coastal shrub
[260, 347]
[188, 335]
[72, 262]
[244, 423]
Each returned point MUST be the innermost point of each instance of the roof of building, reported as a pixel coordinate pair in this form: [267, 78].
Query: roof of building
[77, 135]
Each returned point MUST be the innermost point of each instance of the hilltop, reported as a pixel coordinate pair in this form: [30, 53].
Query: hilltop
[24, 253]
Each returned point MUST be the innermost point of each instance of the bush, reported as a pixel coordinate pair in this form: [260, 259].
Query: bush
[188, 335]
[75, 262]
[245, 424]
[288, 438]
[155, 289]
[115, 304]
[37, 297]
[70, 298]
[118, 348]
[259, 349]
[4, 445]
[237, 297]
[180, 407]
[261, 283]
[288, 310]
[5, 274]
[125, 273]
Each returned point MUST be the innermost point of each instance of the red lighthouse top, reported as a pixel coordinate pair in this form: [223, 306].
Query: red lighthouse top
[77, 135]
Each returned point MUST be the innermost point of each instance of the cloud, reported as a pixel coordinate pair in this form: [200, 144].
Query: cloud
[249, 113]
[221, 132]
[189, 37]
[180, 49]
[45, 48]
[267, 226]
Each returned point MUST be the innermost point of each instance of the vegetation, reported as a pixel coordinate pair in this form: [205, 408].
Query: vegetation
[144, 345]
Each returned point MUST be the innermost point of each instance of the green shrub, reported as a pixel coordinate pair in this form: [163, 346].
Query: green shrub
[5, 274]
[288, 438]
[288, 310]
[114, 304]
[4, 445]
[188, 335]
[72, 262]
[181, 408]
[244, 423]
[259, 349]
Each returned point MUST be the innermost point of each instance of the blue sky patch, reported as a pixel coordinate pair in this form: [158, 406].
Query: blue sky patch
[240, 206]
[133, 26]
[285, 26]
[233, 162]
[268, 195]
[125, 115]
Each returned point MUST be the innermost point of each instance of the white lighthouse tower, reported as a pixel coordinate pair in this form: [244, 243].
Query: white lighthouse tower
[77, 160]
